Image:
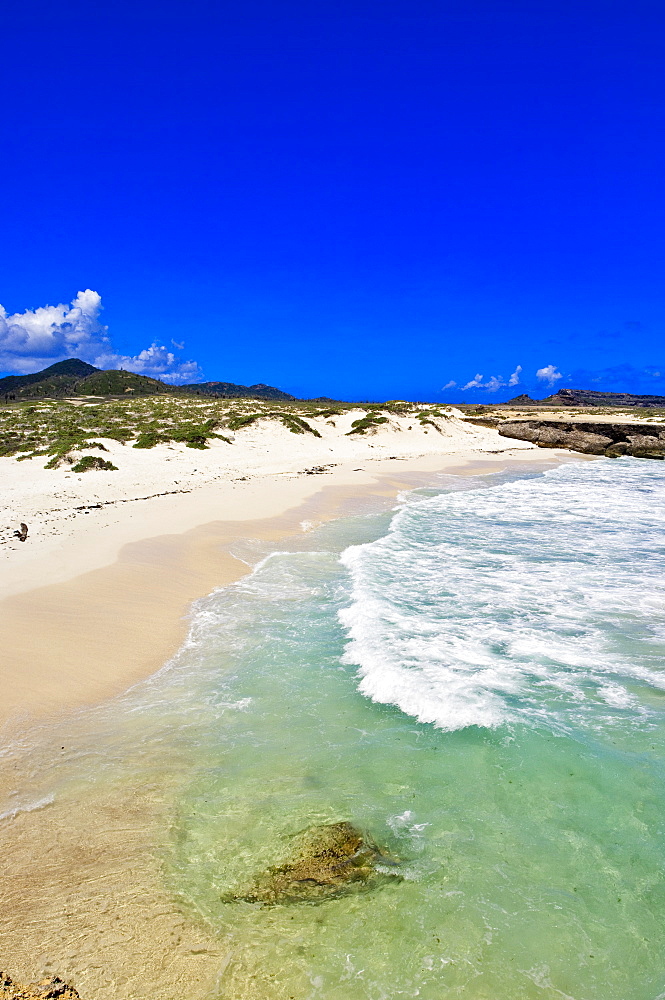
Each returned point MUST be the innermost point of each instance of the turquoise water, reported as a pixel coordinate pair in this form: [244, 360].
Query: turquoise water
[476, 679]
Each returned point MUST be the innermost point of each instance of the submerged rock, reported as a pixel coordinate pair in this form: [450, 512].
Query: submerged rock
[327, 861]
[45, 990]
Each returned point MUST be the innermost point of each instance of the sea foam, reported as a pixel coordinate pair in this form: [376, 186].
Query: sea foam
[530, 599]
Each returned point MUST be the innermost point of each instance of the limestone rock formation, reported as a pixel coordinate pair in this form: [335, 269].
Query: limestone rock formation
[327, 861]
[591, 438]
[592, 397]
[47, 989]
[522, 400]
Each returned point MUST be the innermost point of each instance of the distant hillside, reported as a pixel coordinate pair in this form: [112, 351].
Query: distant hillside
[231, 390]
[117, 382]
[522, 400]
[587, 397]
[590, 397]
[77, 378]
[56, 380]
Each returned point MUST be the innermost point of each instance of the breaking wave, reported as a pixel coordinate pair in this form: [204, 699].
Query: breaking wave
[530, 599]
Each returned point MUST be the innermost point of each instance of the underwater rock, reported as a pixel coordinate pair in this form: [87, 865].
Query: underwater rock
[327, 861]
[45, 990]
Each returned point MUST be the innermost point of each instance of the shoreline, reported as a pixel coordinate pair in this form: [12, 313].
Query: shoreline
[87, 898]
[114, 613]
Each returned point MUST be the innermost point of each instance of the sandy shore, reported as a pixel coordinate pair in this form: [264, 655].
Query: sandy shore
[84, 894]
[80, 522]
[97, 597]
[83, 639]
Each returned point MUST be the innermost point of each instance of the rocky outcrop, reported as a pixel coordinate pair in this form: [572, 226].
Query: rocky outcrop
[593, 397]
[327, 861]
[597, 438]
[45, 990]
[588, 397]
[522, 400]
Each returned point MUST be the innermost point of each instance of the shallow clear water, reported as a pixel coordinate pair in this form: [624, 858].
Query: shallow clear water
[478, 681]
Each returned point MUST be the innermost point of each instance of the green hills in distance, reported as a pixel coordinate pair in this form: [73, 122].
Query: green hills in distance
[77, 378]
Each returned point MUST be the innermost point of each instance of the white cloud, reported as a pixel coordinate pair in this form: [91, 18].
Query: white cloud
[549, 374]
[493, 383]
[449, 385]
[51, 333]
[515, 377]
[34, 339]
[155, 361]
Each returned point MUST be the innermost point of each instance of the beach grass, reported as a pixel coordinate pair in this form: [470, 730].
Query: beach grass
[58, 428]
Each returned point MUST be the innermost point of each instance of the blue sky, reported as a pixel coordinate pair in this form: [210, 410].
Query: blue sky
[358, 199]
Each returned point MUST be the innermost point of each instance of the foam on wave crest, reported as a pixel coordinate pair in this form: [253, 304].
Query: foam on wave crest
[530, 599]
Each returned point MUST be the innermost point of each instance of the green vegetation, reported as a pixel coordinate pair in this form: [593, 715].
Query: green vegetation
[238, 420]
[397, 406]
[297, 425]
[147, 439]
[60, 429]
[194, 435]
[57, 428]
[74, 377]
[115, 383]
[327, 413]
[77, 378]
[425, 419]
[367, 423]
[89, 462]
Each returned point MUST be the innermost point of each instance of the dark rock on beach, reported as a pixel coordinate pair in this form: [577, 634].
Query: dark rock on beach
[22, 533]
[327, 861]
[45, 990]
[590, 438]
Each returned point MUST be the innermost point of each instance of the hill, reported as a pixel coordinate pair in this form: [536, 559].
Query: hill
[116, 382]
[522, 400]
[591, 397]
[56, 380]
[587, 397]
[229, 390]
[77, 378]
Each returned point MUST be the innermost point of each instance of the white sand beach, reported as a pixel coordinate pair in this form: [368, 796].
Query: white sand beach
[97, 595]
[97, 599]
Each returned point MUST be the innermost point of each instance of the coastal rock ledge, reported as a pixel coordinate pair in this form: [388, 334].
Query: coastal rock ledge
[329, 860]
[45, 990]
[597, 438]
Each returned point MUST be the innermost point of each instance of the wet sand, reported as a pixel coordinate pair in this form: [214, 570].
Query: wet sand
[76, 641]
[83, 892]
